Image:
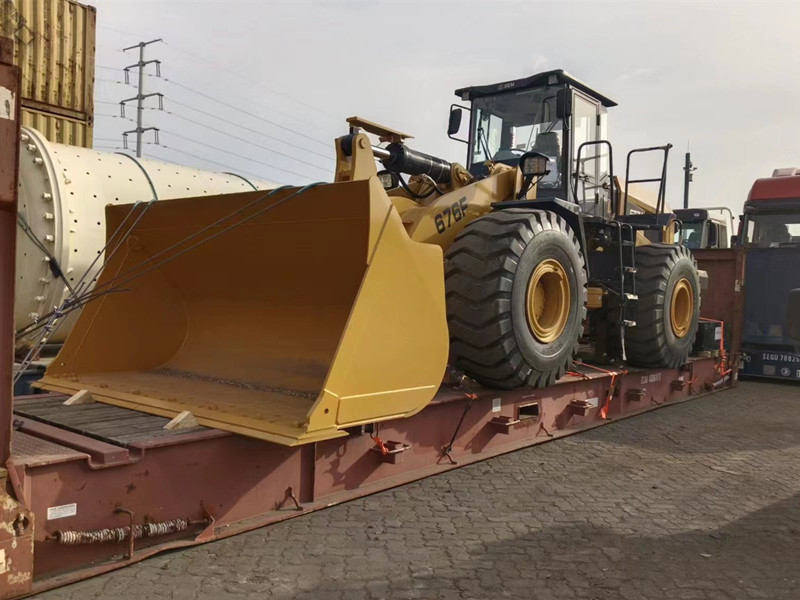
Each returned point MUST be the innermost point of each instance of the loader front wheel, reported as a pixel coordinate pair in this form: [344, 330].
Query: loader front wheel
[516, 298]
[668, 287]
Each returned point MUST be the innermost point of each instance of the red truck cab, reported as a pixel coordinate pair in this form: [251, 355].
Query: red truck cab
[770, 234]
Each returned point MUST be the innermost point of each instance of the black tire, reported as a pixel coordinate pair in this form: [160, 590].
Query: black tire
[487, 272]
[653, 343]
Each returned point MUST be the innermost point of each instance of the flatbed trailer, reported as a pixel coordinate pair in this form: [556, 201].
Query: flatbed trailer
[89, 488]
[83, 473]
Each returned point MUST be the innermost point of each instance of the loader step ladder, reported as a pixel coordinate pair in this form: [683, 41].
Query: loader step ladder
[625, 241]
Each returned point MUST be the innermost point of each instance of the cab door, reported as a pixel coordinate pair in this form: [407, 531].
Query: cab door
[590, 179]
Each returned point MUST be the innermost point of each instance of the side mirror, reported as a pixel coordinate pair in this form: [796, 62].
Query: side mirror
[454, 124]
[713, 238]
[734, 241]
[563, 104]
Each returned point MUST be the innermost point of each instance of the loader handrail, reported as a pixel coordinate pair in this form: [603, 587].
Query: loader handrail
[662, 187]
[613, 198]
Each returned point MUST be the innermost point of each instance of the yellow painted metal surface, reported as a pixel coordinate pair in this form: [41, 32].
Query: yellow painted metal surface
[682, 308]
[311, 317]
[441, 220]
[54, 45]
[548, 301]
[595, 297]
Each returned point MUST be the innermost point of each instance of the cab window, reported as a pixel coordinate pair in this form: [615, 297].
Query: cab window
[773, 230]
[505, 126]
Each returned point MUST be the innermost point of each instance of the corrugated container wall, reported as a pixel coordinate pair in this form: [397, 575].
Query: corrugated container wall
[54, 46]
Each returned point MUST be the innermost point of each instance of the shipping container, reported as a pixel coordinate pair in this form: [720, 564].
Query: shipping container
[54, 45]
[62, 130]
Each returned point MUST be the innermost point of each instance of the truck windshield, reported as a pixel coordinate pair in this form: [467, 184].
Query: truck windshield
[772, 230]
[692, 234]
[508, 125]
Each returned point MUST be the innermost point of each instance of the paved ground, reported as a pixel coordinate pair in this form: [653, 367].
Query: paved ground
[697, 501]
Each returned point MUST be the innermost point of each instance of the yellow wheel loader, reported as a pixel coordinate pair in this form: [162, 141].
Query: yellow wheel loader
[294, 315]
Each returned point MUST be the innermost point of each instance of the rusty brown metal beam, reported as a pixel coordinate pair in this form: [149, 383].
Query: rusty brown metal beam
[16, 521]
[9, 169]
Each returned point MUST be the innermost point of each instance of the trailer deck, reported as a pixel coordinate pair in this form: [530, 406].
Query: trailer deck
[86, 468]
[698, 501]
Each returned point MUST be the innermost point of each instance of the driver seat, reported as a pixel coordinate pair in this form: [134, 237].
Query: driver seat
[547, 143]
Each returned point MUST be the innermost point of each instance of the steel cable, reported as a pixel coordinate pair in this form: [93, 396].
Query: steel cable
[53, 317]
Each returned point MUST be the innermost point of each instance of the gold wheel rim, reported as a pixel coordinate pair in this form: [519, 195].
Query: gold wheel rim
[681, 308]
[548, 301]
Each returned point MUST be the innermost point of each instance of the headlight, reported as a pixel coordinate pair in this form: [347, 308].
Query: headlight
[388, 179]
[533, 164]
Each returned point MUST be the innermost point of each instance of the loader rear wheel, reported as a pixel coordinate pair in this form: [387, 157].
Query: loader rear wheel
[668, 286]
[516, 298]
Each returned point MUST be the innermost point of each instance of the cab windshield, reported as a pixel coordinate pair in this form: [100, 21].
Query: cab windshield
[692, 234]
[508, 125]
[773, 230]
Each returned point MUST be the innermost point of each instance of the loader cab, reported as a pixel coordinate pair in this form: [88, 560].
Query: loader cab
[705, 228]
[551, 113]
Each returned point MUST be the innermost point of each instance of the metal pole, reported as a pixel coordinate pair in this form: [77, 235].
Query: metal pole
[687, 178]
[141, 96]
[140, 102]
[9, 172]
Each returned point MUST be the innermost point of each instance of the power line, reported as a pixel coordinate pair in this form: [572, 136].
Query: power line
[227, 151]
[241, 156]
[214, 162]
[246, 141]
[111, 80]
[244, 112]
[113, 116]
[222, 132]
[229, 122]
[206, 61]
[195, 156]
[104, 47]
[235, 124]
[233, 107]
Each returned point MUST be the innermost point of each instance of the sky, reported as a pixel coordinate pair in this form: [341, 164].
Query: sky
[263, 87]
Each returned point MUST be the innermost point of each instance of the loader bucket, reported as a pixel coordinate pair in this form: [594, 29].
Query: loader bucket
[316, 314]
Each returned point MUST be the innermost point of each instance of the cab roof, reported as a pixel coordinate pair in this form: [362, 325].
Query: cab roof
[555, 77]
[691, 214]
[772, 193]
[771, 188]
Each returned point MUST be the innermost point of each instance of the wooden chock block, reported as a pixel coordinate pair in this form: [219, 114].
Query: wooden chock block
[82, 397]
[183, 420]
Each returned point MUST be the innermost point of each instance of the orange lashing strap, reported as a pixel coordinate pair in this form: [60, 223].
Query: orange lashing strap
[613, 374]
[379, 443]
[722, 366]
